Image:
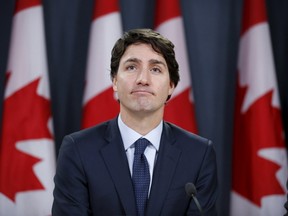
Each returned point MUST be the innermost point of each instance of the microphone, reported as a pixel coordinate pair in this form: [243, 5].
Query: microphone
[192, 192]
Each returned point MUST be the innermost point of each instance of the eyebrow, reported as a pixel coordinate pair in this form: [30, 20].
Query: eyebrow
[155, 61]
[151, 61]
[132, 60]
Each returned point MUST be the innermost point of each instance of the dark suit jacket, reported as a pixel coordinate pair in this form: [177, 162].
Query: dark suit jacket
[93, 177]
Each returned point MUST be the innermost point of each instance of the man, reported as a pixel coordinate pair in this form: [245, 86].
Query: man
[97, 171]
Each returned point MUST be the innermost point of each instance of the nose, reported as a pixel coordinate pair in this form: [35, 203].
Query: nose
[143, 77]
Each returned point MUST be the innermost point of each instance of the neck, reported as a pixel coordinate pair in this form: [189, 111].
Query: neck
[142, 123]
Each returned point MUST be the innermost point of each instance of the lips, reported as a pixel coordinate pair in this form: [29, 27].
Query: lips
[141, 91]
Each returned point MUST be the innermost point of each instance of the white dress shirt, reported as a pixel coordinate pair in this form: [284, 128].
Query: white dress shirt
[129, 137]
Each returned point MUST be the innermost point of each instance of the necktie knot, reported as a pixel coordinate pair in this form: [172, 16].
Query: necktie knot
[140, 146]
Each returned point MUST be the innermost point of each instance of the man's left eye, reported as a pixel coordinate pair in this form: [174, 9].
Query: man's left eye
[156, 70]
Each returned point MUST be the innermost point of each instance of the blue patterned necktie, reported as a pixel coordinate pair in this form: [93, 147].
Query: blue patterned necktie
[141, 175]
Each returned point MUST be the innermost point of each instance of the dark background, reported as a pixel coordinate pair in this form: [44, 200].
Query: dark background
[212, 33]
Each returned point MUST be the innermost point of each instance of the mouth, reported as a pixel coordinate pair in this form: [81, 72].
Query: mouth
[142, 92]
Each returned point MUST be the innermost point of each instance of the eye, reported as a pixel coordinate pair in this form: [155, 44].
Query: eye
[156, 70]
[131, 67]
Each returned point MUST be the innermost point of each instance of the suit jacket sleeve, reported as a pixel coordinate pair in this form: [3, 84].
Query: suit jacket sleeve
[70, 192]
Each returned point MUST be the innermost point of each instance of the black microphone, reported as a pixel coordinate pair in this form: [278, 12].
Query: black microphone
[192, 192]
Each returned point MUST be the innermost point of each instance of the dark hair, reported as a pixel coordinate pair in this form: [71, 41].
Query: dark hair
[159, 44]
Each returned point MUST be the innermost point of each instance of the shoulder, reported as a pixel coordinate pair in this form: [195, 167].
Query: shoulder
[95, 136]
[95, 131]
[190, 144]
[182, 135]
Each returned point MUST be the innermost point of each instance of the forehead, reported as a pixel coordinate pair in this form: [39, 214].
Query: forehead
[143, 52]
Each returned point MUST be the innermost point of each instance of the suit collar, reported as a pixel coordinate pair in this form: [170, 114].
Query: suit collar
[116, 161]
[164, 170]
[130, 136]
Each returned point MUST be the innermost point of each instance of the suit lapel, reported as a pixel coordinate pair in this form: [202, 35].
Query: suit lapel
[164, 171]
[116, 161]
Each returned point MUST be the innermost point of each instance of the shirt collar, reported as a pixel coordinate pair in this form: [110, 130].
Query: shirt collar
[129, 136]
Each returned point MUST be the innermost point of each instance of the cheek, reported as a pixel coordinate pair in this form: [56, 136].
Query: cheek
[121, 85]
[125, 81]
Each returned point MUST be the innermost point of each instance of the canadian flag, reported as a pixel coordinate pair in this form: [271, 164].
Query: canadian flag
[99, 101]
[27, 156]
[259, 154]
[168, 21]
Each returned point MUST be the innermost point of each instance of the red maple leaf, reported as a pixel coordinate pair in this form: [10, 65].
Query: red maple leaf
[258, 128]
[25, 117]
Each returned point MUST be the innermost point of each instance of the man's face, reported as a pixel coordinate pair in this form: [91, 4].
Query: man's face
[142, 81]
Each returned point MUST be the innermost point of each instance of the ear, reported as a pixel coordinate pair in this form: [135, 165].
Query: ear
[171, 89]
[114, 83]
